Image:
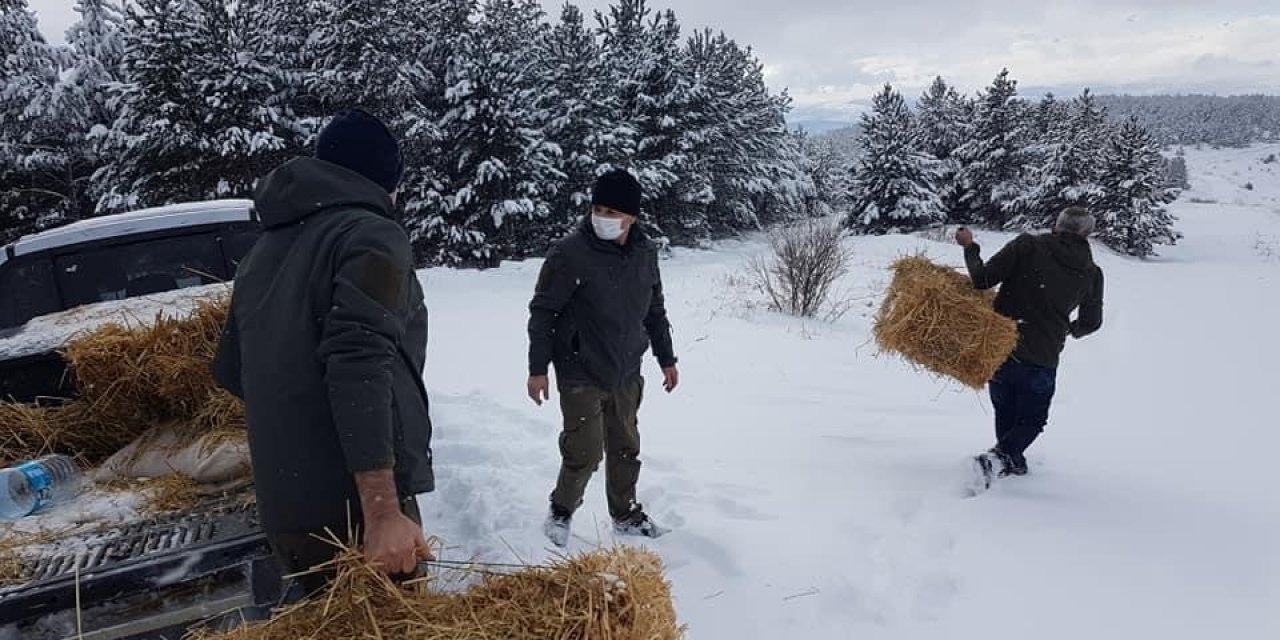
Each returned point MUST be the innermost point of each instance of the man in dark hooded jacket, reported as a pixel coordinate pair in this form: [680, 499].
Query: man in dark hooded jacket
[597, 308]
[1043, 279]
[326, 343]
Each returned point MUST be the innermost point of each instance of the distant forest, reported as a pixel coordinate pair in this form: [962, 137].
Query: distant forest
[1223, 121]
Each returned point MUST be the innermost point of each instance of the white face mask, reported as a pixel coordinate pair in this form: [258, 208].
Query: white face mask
[607, 228]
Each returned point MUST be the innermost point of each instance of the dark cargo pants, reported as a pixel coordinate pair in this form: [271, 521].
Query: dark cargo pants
[599, 423]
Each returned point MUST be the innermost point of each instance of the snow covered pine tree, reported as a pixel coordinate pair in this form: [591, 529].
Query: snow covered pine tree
[29, 150]
[1132, 217]
[943, 123]
[893, 189]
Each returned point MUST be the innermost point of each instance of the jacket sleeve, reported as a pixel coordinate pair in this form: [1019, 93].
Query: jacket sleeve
[1089, 319]
[657, 324]
[999, 268]
[556, 284]
[226, 362]
[359, 340]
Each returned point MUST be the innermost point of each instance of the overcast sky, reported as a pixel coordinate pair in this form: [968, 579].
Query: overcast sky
[832, 55]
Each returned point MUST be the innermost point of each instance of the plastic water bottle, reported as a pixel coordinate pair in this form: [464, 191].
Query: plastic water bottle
[34, 485]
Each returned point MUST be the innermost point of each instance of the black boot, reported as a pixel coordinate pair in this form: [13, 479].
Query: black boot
[1009, 465]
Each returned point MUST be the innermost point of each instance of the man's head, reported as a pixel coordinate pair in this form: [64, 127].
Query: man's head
[1076, 220]
[615, 204]
[359, 141]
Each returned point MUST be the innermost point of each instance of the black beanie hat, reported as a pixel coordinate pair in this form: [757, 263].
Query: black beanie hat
[359, 141]
[617, 190]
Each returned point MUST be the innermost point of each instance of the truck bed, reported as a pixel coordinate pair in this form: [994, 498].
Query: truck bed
[146, 579]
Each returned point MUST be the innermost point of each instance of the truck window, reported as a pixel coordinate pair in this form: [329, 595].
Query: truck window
[26, 291]
[235, 244]
[139, 268]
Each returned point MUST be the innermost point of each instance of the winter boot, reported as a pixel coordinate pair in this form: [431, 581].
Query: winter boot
[1009, 465]
[557, 526]
[638, 523]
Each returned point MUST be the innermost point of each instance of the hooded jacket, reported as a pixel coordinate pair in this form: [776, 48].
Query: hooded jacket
[326, 344]
[597, 308]
[1043, 279]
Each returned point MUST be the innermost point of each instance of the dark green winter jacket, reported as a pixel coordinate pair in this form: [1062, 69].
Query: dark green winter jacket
[326, 343]
[1043, 279]
[597, 308]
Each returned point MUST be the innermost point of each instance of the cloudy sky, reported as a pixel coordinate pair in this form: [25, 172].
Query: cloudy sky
[832, 55]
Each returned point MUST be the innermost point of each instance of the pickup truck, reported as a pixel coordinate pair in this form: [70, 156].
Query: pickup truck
[151, 577]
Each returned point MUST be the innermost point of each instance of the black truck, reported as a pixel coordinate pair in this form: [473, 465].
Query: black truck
[155, 577]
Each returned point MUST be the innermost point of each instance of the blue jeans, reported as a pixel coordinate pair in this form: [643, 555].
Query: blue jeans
[1021, 394]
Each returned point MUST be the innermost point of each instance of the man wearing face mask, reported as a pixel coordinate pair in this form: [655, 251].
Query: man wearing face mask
[597, 307]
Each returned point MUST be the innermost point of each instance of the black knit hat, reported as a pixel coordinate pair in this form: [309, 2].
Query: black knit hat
[359, 141]
[618, 190]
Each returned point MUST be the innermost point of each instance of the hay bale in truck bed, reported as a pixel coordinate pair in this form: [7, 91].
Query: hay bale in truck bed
[934, 317]
[619, 594]
[131, 377]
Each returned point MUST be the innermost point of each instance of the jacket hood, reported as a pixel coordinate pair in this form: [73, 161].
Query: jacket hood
[1070, 250]
[301, 187]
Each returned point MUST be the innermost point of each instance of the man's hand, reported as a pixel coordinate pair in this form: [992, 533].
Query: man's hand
[964, 237]
[670, 378]
[539, 389]
[394, 543]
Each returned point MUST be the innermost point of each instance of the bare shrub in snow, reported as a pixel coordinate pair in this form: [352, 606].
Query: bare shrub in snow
[804, 264]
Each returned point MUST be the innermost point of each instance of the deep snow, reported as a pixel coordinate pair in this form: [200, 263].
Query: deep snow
[815, 487]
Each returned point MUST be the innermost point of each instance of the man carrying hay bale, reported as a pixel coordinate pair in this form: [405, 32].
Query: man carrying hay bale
[1043, 279]
[597, 308]
[325, 342]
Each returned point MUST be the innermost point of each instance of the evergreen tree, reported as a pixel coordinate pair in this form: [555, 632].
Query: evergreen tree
[829, 173]
[502, 167]
[893, 187]
[366, 54]
[991, 161]
[1132, 217]
[1047, 117]
[1064, 164]
[1175, 171]
[737, 138]
[196, 121]
[944, 125]
[283, 30]
[584, 118]
[31, 158]
[428, 192]
[84, 104]
[647, 67]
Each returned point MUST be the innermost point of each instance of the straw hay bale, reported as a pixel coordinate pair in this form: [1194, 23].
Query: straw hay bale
[615, 594]
[934, 317]
[130, 379]
[10, 563]
[149, 374]
[167, 494]
[17, 548]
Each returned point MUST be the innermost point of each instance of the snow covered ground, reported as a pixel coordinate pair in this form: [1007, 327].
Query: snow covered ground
[814, 486]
